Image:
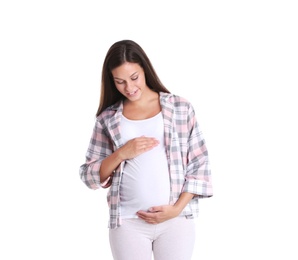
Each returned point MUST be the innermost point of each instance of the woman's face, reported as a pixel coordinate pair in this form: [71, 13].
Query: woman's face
[130, 80]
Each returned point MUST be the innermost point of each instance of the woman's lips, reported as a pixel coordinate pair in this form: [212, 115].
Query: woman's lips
[132, 93]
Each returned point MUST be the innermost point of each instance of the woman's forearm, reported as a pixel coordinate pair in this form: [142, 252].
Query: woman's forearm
[183, 200]
[109, 164]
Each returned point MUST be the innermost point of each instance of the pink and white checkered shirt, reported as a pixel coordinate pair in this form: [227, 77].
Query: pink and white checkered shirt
[186, 152]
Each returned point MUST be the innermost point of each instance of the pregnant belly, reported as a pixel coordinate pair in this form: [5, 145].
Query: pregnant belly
[144, 184]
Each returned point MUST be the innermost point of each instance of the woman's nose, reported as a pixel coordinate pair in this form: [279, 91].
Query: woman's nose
[129, 86]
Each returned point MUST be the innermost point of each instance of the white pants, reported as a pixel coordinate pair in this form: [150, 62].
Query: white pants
[170, 240]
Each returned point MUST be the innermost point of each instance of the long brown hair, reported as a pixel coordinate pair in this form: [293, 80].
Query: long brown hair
[119, 53]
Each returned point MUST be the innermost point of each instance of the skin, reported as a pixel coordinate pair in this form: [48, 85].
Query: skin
[140, 103]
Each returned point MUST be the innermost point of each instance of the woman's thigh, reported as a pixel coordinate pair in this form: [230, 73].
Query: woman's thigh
[175, 239]
[132, 240]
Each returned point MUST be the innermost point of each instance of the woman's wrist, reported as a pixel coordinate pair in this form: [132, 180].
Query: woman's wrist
[183, 200]
[119, 155]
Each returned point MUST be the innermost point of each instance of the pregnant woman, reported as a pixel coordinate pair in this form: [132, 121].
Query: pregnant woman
[148, 149]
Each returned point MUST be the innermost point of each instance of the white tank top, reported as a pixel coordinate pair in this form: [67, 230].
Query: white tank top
[145, 181]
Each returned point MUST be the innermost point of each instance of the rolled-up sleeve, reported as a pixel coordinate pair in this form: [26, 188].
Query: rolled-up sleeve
[198, 175]
[99, 148]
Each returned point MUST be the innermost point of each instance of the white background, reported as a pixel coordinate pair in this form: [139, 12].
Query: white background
[236, 61]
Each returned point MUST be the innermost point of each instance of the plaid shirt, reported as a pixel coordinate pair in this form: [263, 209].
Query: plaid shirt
[185, 147]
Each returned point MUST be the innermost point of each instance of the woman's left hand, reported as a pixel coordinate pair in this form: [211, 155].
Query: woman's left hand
[158, 214]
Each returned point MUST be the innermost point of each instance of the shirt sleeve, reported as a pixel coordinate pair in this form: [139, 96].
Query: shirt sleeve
[99, 148]
[198, 175]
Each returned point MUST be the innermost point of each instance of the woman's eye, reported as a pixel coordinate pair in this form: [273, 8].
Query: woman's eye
[135, 78]
[119, 82]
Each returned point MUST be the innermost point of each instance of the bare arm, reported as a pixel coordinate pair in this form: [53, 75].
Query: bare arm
[128, 151]
[109, 164]
[183, 200]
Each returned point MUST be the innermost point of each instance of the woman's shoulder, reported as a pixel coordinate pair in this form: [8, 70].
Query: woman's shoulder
[176, 100]
[109, 111]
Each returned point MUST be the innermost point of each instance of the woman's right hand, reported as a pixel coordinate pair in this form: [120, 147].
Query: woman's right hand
[137, 146]
[131, 149]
